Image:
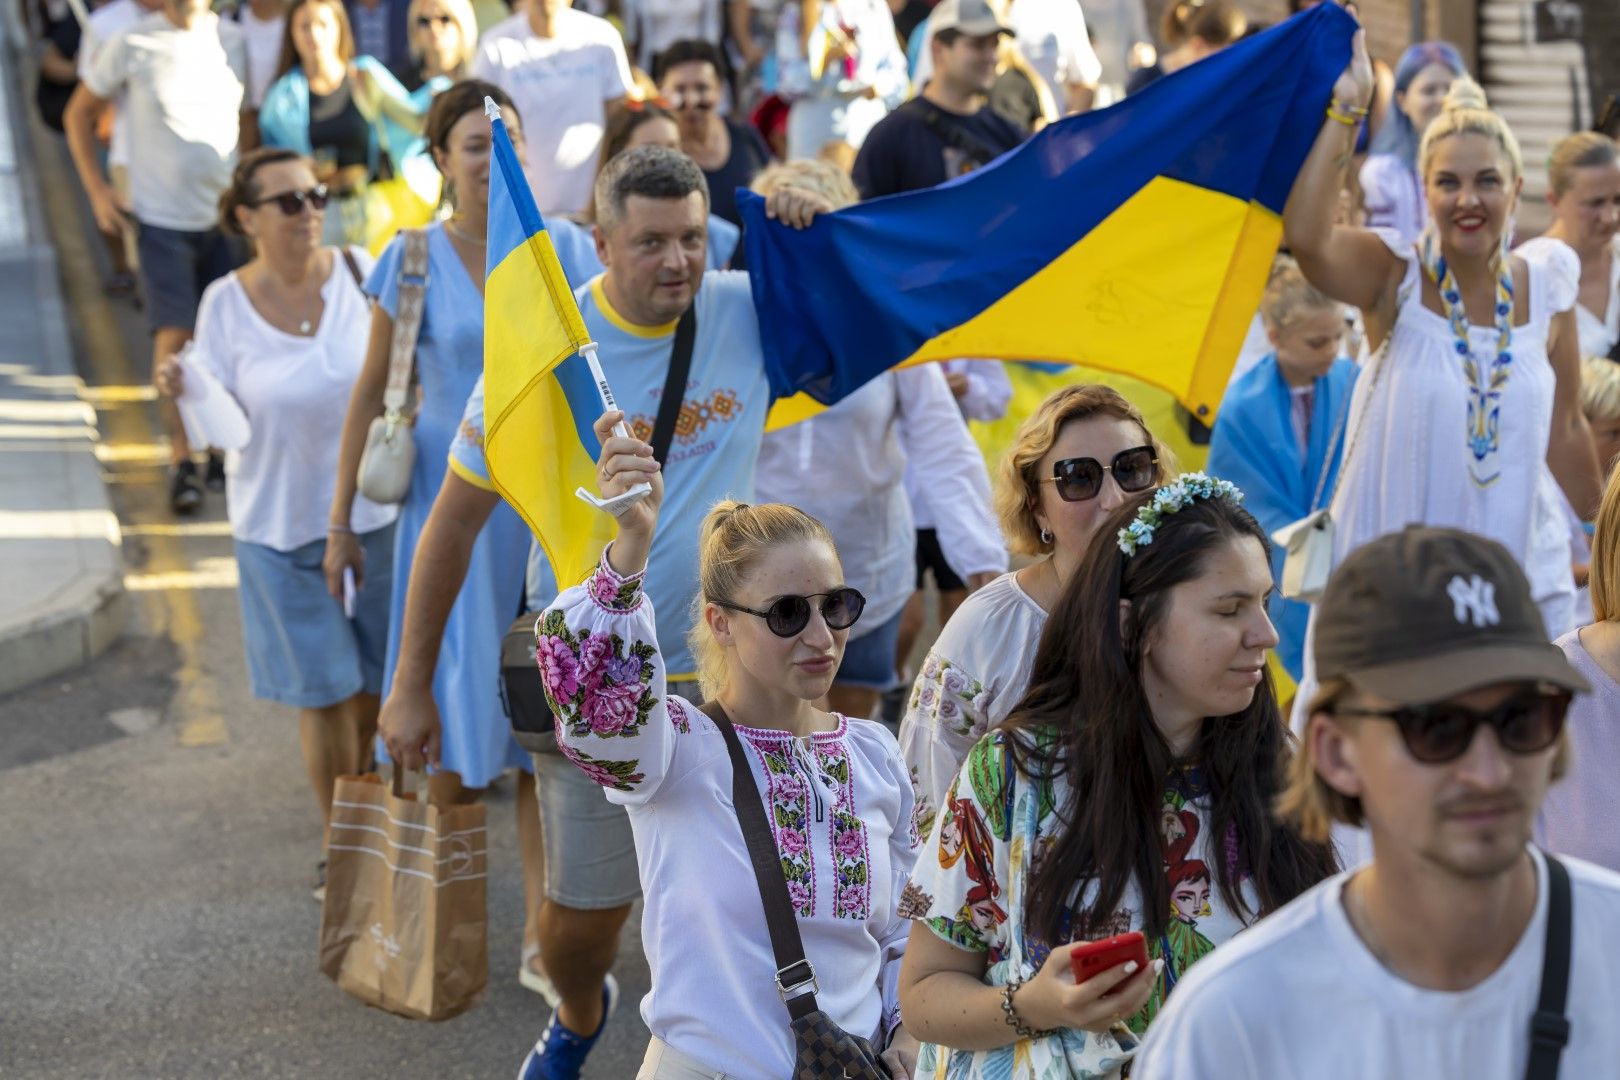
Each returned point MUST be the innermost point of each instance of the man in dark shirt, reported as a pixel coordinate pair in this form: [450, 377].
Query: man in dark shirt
[948, 130]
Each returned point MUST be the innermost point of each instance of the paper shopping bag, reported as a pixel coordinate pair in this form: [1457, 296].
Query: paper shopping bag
[403, 925]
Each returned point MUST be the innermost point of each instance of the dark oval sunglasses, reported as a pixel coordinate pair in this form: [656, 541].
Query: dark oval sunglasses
[1438, 734]
[292, 203]
[789, 615]
[1081, 478]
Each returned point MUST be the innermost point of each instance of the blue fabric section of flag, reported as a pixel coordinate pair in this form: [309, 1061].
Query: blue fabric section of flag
[910, 267]
[512, 220]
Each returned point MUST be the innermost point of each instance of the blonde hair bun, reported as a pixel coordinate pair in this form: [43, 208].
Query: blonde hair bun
[1465, 93]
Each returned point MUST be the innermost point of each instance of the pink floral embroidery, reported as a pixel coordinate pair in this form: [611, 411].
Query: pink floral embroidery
[852, 898]
[787, 802]
[559, 667]
[619, 775]
[611, 709]
[677, 716]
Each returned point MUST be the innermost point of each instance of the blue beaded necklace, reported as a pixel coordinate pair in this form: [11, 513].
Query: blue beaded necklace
[1485, 383]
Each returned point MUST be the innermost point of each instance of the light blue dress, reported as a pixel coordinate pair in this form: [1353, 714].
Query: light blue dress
[477, 740]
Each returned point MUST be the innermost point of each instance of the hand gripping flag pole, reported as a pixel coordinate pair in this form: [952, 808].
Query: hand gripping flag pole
[617, 504]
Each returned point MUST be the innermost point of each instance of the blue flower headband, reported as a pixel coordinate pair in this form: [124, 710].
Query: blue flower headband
[1173, 496]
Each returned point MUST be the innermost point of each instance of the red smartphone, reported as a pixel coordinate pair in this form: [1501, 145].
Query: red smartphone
[1095, 957]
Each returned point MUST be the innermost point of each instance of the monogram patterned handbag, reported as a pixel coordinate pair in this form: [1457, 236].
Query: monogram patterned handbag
[823, 1050]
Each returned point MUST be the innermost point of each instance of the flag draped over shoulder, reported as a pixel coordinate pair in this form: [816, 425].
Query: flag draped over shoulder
[539, 397]
[1134, 239]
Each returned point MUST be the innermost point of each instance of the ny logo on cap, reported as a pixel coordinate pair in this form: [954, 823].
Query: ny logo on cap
[1474, 600]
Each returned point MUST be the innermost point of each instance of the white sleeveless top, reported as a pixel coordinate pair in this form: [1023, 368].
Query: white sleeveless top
[1411, 460]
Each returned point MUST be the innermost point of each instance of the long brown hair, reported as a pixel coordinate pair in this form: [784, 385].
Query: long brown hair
[1086, 690]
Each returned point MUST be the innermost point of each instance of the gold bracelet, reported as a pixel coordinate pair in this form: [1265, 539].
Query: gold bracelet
[1347, 121]
[1358, 111]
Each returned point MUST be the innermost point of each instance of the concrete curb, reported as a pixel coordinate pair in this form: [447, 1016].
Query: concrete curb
[62, 598]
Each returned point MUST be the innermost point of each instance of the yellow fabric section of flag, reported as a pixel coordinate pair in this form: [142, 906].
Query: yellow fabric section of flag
[1162, 290]
[532, 443]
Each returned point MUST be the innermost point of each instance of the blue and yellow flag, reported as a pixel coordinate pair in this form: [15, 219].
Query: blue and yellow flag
[539, 398]
[1134, 239]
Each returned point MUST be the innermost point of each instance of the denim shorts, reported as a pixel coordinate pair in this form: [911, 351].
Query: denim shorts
[869, 659]
[301, 650]
[176, 266]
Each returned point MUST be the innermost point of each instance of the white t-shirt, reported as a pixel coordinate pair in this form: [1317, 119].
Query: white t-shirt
[106, 23]
[560, 86]
[263, 37]
[182, 100]
[1299, 997]
[295, 391]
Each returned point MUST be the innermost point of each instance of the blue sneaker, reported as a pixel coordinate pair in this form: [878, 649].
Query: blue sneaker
[560, 1053]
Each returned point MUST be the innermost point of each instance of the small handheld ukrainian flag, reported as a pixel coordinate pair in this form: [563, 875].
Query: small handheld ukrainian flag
[540, 397]
[1135, 239]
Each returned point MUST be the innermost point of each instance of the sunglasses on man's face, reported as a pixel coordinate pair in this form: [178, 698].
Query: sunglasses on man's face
[1438, 734]
[789, 615]
[1081, 478]
[292, 203]
[428, 22]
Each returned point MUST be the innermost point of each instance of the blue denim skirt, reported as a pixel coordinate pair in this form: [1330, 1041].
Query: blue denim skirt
[301, 650]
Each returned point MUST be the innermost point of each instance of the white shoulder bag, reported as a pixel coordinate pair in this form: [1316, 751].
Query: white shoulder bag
[1308, 543]
[385, 465]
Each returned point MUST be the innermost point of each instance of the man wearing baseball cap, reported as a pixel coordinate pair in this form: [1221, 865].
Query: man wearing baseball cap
[948, 129]
[1438, 727]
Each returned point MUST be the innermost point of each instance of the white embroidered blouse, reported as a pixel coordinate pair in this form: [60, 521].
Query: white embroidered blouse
[971, 679]
[839, 804]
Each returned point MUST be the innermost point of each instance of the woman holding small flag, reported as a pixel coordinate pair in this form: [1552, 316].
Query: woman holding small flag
[776, 613]
[1469, 407]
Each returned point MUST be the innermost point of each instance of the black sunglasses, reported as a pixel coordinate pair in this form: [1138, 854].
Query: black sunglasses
[425, 22]
[1081, 478]
[292, 202]
[789, 615]
[1437, 734]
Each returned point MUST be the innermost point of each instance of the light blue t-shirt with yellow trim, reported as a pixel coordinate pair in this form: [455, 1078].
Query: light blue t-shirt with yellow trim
[712, 456]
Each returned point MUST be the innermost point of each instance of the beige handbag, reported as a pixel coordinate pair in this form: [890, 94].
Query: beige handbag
[385, 464]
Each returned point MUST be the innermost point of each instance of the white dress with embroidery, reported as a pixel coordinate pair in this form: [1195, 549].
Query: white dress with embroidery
[838, 801]
[975, 675]
[1413, 460]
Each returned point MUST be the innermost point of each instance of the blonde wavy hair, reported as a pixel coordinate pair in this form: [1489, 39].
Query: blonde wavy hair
[1605, 580]
[1466, 112]
[732, 539]
[822, 177]
[1600, 389]
[1018, 484]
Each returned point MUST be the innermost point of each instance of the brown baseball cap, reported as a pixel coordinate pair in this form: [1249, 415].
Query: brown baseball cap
[1427, 614]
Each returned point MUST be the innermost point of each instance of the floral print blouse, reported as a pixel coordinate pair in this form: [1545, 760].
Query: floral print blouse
[838, 801]
[969, 888]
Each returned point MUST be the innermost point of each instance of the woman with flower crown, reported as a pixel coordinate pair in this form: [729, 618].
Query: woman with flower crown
[1130, 790]
[1468, 413]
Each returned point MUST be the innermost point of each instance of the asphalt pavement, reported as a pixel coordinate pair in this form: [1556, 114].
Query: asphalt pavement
[154, 883]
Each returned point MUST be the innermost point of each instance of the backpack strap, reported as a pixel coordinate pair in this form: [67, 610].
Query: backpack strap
[1549, 1027]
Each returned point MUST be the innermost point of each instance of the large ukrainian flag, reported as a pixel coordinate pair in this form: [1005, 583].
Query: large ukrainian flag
[539, 397]
[1135, 239]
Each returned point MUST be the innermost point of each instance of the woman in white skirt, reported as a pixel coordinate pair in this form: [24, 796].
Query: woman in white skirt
[1470, 411]
[285, 336]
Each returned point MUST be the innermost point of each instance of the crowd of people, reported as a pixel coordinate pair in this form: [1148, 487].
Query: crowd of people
[998, 852]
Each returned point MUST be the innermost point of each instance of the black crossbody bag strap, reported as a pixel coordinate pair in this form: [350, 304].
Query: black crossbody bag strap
[793, 970]
[680, 366]
[1549, 1027]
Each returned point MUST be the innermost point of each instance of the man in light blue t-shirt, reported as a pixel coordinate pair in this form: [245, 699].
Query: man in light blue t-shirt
[652, 207]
